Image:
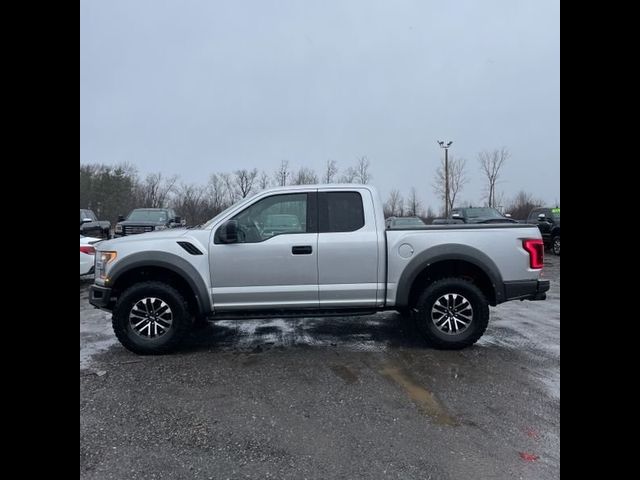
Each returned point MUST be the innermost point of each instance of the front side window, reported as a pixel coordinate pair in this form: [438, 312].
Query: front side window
[271, 216]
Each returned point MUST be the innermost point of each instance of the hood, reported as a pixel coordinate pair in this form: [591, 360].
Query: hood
[88, 240]
[167, 234]
[492, 220]
[140, 223]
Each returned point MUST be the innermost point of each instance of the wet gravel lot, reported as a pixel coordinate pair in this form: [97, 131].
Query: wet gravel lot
[345, 397]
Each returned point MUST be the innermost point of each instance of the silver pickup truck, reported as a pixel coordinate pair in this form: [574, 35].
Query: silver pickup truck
[314, 250]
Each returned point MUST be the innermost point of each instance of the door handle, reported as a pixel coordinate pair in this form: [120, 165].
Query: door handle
[301, 250]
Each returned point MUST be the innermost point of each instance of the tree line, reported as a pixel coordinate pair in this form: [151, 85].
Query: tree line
[111, 191]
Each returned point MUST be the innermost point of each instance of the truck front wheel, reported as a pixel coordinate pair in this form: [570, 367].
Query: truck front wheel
[452, 313]
[150, 318]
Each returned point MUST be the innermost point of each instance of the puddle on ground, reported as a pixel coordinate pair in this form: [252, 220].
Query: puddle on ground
[423, 398]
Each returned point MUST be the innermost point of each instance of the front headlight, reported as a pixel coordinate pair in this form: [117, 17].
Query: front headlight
[102, 260]
[118, 228]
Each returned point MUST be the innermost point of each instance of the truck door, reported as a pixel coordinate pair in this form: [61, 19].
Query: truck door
[347, 250]
[274, 262]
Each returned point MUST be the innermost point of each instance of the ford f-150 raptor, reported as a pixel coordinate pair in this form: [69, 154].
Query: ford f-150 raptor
[336, 258]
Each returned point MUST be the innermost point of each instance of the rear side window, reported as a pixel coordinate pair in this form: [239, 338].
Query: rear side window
[340, 211]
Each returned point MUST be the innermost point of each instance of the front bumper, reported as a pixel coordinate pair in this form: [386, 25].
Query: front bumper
[99, 296]
[526, 290]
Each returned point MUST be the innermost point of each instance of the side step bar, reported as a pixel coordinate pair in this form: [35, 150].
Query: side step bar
[247, 315]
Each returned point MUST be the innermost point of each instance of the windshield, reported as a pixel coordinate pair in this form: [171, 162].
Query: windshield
[408, 221]
[148, 216]
[483, 213]
[87, 214]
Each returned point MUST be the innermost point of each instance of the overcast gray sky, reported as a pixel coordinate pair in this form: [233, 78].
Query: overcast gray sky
[194, 87]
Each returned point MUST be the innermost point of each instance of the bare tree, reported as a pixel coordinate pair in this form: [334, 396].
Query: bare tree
[522, 204]
[392, 206]
[218, 193]
[229, 183]
[349, 175]
[305, 176]
[362, 171]
[457, 179]
[263, 181]
[155, 190]
[244, 181]
[414, 205]
[281, 176]
[499, 200]
[191, 203]
[490, 164]
[330, 172]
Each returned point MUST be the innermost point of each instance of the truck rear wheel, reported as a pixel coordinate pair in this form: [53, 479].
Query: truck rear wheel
[555, 245]
[150, 318]
[452, 313]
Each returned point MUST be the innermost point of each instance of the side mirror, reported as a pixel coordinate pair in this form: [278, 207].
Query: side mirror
[228, 232]
[177, 220]
[121, 218]
[456, 215]
[542, 217]
[85, 220]
[508, 215]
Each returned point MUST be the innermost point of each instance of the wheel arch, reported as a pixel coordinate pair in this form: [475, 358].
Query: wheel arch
[162, 266]
[452, 260]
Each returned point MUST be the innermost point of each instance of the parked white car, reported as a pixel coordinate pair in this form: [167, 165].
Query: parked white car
[87, 254]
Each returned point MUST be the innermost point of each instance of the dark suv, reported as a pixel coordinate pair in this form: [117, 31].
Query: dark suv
[480, 215]
[142, 220]
[90, 226]
[548, 221]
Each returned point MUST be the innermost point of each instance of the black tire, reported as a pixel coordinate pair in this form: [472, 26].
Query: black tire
[167, 341]
[478, 312]
[555, 245]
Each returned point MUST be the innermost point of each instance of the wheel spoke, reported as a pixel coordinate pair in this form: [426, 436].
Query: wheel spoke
[138, 313]
[140, 322]
[166, 322]
[440, 308]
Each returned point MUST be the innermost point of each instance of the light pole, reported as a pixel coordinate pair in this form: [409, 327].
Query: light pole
[446, 176]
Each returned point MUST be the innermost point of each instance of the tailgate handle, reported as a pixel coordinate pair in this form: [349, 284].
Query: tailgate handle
[301, 250]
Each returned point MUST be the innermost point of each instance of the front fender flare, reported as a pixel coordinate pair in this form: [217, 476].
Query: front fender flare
[171, 262]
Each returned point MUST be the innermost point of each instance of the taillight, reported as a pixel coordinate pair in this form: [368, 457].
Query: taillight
[535, 247]
[87, 249]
